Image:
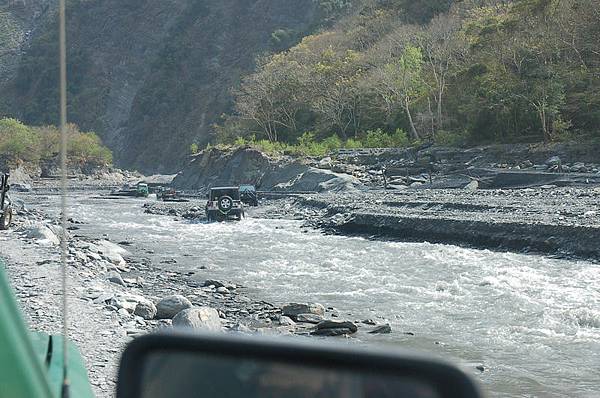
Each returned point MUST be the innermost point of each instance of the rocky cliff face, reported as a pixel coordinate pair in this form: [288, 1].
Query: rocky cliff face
[214, 167]
[150, 77]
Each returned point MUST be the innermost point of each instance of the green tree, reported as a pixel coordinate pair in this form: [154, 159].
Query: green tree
[401, 82]
[17, 141]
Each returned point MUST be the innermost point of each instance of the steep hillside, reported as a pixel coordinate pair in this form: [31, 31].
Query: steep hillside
[400, 72]
[150, 77]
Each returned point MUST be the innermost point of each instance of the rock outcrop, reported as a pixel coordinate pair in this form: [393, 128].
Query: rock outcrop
[215, 167]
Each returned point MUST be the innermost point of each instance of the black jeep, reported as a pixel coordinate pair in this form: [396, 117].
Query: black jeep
[248, 195]
[6, 210]
[224, 203]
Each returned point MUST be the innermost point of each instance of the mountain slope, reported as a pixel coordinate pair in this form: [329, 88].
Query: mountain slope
[150, 77]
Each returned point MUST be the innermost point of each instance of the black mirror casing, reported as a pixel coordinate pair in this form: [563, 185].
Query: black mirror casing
[444, 378]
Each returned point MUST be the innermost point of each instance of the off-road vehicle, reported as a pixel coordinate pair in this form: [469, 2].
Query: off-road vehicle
[6, 210]
[224, 203]
[248, 195]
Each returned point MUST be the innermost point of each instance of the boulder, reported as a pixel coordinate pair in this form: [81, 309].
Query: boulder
[123, 313]
[170, 306]
[105, 246]
[309, 318]
[286, 321]
[334, 328]
[43, 234]
[205, 318]
[145, 309]
[472, 186]
[381, 329]
[115, 277]
[127, 301]
[212, 282]
[313, 179]
[579, 167]
[294, 309]
[113, 252]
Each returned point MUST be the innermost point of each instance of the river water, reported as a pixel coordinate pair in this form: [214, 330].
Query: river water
[532, 321]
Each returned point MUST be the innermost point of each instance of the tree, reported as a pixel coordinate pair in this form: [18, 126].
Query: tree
[401, 82]
[268, 97]
[444, 47]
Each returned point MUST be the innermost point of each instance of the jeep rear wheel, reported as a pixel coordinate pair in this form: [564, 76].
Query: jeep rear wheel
[6, 218]
[225, 204]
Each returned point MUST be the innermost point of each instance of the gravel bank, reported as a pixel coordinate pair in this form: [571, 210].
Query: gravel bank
[555, 221]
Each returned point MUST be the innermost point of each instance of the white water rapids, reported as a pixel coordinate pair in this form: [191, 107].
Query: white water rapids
[532, 321]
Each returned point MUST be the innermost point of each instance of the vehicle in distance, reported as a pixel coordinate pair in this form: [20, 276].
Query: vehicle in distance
[6, 210]
[140, 190]
[224, 203]
[170, 195]
[248, 195]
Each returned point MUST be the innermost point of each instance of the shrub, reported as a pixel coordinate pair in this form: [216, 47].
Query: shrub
[562, 131]
[452, 139]
[194, 148]
[378, 139]
[240, 141]
[400, 139]
[18, 142]
[332, 143]
[87, 148]
[353, 143]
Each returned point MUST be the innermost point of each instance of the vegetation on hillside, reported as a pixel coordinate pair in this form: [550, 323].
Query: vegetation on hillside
[24, 144]
[468, 72]
[309, 145]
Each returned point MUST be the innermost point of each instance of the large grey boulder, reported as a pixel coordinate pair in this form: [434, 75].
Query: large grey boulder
[205, 318]
[145, 309]
[292, 310]
[170, 306]
[313, 179]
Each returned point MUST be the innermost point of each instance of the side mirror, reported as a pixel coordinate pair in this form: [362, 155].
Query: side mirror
[185, 365]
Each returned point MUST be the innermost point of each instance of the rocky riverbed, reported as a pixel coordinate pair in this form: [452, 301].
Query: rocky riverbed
[138, 265]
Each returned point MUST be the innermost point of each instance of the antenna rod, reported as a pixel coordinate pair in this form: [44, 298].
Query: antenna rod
[63, 183]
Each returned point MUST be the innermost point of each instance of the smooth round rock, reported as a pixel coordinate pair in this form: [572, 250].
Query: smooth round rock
[205, 318]
[170, 306]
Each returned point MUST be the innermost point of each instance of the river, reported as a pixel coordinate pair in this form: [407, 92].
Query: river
[532, 321]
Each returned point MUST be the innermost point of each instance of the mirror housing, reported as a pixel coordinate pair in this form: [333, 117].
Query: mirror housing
[159, 355]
